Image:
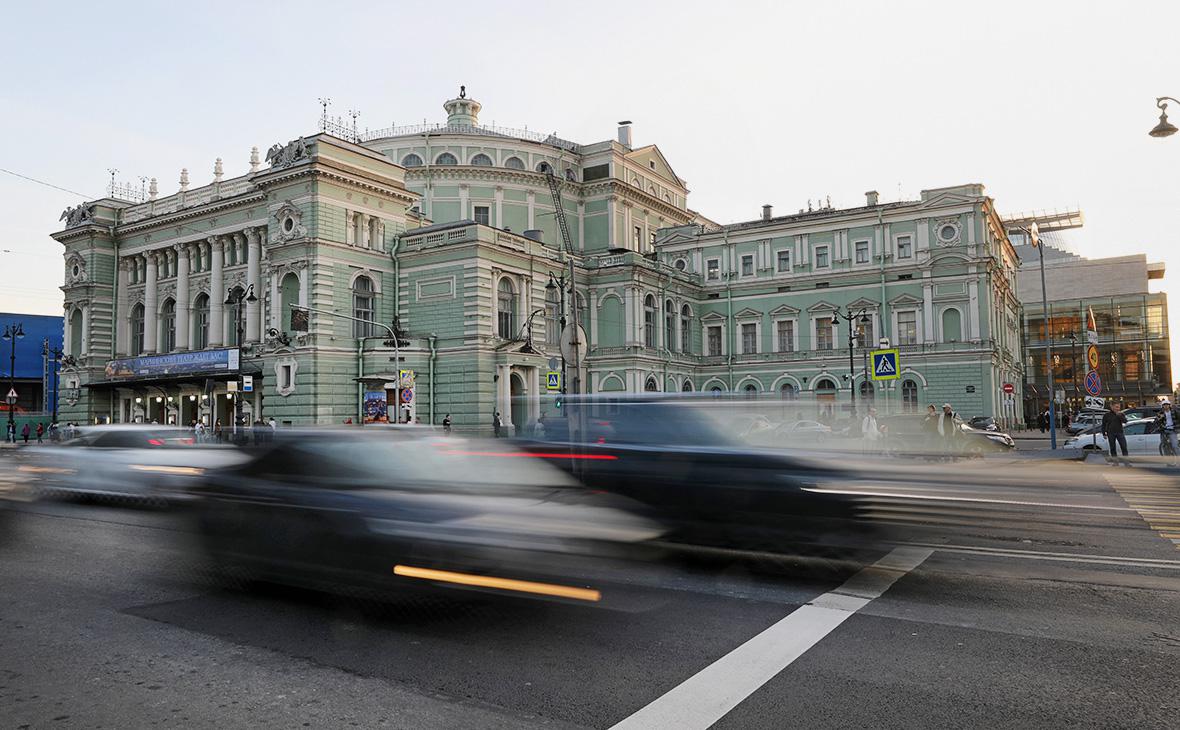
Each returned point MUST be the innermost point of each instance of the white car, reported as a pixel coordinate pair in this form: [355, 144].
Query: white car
[1142, 438]
[150, 463]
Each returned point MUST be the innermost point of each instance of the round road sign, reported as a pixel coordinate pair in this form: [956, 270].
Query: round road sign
[1093, 383]
[1009, 388]
[1092, 356]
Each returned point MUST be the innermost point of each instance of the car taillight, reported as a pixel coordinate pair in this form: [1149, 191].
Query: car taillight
[155, 442]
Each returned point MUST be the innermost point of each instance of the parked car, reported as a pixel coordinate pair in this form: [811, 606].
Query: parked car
[1142, 438]
[1085, 420]
[908, 434]
[391, 510]
[141, 462]
[792, 435]
[1142, 412]
[984, 423]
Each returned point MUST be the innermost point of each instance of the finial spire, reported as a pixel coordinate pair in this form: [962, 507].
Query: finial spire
[184, 179]
[255, 160]
[217, 170]
[153, 189]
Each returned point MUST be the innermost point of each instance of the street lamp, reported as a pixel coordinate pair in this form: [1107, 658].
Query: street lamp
[12, 333]
[1034, 238]
[1073, 346]
[1164, 128]
[863, 318]
[557, 282]
[56, 353]
[235, 297]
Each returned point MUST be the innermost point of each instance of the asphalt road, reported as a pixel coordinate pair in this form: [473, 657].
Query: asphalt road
[1030, 595]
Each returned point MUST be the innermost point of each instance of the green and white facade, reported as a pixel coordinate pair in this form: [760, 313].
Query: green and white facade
[426, 227]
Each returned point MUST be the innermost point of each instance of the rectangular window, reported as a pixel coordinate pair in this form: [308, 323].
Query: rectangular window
[285, 380]
[905, 247]
[653, 239]
[638, 238]
[907, 328]
[596, 172]
[862, 252]
[713, 269]
[747, 265]
[784, 260]
[824, 333]
[749, 339]
[864, 334]
[821, 257]
[714, 340]
[483, 215]
[786, 335]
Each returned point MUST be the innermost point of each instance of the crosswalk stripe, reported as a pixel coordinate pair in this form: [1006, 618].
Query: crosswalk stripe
[1157, 504]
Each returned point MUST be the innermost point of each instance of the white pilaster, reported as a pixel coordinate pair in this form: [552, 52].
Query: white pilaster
[122, 315]
[499, 222]
[532, 199]
[253, 253]
[85, 329]
[928, 312]
[182, 297]
[216, 292]
[973, 308]
[150, 321]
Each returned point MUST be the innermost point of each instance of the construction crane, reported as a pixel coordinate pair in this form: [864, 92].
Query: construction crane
[567, 246]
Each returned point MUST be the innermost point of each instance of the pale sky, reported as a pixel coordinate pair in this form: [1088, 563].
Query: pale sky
[1047, 104]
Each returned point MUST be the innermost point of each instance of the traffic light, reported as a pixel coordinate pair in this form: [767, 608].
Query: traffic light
[557, 402]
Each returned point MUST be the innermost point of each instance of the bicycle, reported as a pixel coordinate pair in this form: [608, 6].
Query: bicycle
[1166, 443]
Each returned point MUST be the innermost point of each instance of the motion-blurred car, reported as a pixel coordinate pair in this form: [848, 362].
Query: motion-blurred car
[910, 434]
[1142, 438]
[147, 463]
[792, 435]
[697, 479]
[983, 423]
[385, 510]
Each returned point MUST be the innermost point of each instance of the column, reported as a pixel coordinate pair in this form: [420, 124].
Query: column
[581, 226]
[182, 296]
[304, 286]
[927, 312]
[973, 309]
[276, 306]
[252, 270]
[362, 230]
[122, 319]
[464, 210]
[504, 394]
[150, 322]
[85, 329]
[591, 327]
[532, 199]
[499, 222]
[216, 293]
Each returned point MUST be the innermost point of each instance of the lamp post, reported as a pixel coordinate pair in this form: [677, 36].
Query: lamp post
[1034, 238]
[56, 354]
[1073, 345]
[849, 316]
[1164, 128]
[12, 333]
[235, 297]
[558, 282]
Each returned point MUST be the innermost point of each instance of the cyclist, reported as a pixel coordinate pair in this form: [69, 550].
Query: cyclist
[1166, 422]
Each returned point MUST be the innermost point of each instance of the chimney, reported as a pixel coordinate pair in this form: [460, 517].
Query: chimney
[871, 198]
[767, 212]
[625, 133]
[535, 234]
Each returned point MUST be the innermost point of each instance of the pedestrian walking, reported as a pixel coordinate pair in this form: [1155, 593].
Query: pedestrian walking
[1043, 420]
[54, 433]
[447, 423]
[10, 433]
[217, 434]
[948, 430]
[1166, 423]
[24, 433]
[497, 424]
[1112, 428]
[40, 432]
[274, 426]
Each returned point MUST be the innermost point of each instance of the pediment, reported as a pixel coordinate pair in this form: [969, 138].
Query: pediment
[822, 306]
[784, 309]
[904, 299]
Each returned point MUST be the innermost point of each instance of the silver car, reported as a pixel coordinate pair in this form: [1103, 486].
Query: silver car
[149, 463]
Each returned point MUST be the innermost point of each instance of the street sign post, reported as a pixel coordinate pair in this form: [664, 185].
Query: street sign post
[553, 380]
[886, 365]
[11, 397]
[1093, 383]
[1009, 388]
[247, 383]
[1092, 356]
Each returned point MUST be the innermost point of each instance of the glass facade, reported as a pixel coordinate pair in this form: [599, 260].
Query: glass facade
[1133, 352]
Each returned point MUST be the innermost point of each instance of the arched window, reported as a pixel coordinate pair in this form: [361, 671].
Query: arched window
[552, 315]
[411, 160]
[514, 163]
[75, 333]
[687, 387]
[650, 386]
[909, 396]
[952, 330]
[506, 309]
[670, 325]
[201, 322]
[231, 335]
[168, 326]
[481, 160]
[686, 329]
[788, 391]
[571, 175]
[867, 392]
[649, 321]
[544, 167]
[750, 391]
[137, 329]
[288, 295]
[446, 158]
[363, 299]
[825, 386]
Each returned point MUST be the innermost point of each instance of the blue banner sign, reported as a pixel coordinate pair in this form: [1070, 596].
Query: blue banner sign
[181, 363]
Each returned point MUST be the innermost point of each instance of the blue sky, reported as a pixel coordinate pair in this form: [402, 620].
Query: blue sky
[1046, 103]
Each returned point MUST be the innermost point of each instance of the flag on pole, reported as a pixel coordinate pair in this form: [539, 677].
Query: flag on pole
[1091, 327]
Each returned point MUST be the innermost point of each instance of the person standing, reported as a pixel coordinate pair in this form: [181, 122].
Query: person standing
[24, 433]
[1112, 428]
[274, 425]
[1166, 423]
[217, 435]
[40, 432]
[10, 433]
[447, 423]
[870, 431]
[948, 429]
[497, 424]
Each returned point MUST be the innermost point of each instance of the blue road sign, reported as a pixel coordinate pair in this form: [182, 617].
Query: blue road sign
[1093, 383]
[886, 365]
[553, 380]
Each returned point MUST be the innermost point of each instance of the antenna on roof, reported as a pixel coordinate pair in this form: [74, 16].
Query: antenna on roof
[324, 103]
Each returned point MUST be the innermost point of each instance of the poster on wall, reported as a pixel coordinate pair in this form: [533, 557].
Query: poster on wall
[376, 407]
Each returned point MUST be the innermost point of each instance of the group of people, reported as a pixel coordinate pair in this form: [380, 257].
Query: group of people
[940, 426]
[1044, 419]
[1114, 420]
[54, 433]
[260, 431]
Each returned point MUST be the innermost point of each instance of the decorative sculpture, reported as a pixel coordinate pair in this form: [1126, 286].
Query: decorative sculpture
[279, 156]
[77, 215]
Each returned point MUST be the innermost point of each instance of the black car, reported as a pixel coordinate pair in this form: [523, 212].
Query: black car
[386, 509]
[700, 482]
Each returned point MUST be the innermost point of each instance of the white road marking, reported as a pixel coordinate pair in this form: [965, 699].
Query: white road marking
[711, 693]
[1129, 561]
[942, 498]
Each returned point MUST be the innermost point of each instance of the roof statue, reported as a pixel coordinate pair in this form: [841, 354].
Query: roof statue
[77, 215]
[283, 155]
[462, 92]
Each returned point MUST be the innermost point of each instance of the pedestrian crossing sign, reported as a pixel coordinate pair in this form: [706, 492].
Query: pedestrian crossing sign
[886, 365]
[553, 380]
